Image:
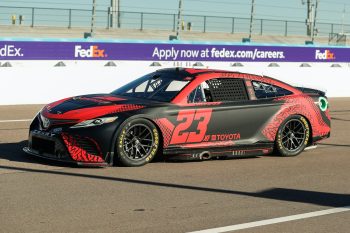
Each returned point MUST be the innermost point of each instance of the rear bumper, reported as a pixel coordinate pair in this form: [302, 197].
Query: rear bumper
[320, 138]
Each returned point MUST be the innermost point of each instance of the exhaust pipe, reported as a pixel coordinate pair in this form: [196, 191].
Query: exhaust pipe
[205, 155]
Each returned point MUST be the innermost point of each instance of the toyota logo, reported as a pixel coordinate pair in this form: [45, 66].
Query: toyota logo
[45, 122]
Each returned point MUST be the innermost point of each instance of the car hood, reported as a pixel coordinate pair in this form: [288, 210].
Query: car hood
[92, 106]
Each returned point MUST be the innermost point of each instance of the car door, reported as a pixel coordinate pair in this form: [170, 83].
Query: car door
[227, 113]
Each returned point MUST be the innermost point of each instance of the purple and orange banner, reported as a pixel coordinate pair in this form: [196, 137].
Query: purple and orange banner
[137, 51]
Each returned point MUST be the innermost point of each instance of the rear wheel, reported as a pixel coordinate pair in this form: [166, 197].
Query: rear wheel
[137, 143]
[292, 136]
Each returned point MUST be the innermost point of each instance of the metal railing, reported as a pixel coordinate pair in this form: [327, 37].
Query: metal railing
[70, 18]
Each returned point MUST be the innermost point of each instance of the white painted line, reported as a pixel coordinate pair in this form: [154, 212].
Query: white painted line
[275, 220]
[9, 121]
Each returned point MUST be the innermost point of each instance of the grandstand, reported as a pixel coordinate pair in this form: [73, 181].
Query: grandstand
[50, 21]
[148, 34]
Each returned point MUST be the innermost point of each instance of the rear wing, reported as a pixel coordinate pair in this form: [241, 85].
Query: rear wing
[311, 91]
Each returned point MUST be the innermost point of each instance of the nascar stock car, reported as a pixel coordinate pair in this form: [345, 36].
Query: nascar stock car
[182, 114]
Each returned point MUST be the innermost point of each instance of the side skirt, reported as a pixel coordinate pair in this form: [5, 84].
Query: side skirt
[241, 151]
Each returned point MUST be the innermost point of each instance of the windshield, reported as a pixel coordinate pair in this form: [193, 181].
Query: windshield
[155, 86]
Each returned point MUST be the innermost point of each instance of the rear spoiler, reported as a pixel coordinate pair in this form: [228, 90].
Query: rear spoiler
[311, 91]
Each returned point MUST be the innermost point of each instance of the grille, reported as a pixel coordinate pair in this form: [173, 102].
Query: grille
[43, 146]
[55, 122]
[87, 145]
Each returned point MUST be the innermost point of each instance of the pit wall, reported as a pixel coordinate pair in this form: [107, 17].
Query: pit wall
[33, 78]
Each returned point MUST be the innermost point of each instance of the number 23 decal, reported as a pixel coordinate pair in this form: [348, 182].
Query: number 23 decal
[186, 118]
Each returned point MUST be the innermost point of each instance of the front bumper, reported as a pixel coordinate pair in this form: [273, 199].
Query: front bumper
[64, 147]
[51, 157]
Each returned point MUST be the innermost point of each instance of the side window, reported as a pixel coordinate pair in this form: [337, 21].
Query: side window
[227, 89]
[264, 90]
[200, 94]
[219, 90]
[147, 86]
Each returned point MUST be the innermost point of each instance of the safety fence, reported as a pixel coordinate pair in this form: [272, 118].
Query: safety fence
[62, 17]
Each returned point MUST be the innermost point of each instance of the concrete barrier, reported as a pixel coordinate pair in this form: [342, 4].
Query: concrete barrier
[42, 71]
[34, 82]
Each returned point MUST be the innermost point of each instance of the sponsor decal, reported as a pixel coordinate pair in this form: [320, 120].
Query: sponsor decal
[163, 51]
[10, 51]
[225, 137]
[192, 127]
[46, 134]
[186, 118]
[216, 53]
[324, 55]
[91, 52]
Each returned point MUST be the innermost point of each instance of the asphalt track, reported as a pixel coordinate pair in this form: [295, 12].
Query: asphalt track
[41, 196]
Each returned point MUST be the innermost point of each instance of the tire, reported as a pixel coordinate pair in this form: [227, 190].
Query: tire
[292, 136]
[137, 143]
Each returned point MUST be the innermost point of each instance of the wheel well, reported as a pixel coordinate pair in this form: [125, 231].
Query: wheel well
[310, 126]
[113, 152]
[115, 137]
[161, 145]
[308, 122]
[160, 150]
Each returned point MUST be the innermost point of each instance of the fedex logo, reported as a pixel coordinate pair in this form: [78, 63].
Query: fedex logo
[92, 52]
[10, 51]
[325, 55]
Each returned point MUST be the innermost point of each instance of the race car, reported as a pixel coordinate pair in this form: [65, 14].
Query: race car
[182, 114]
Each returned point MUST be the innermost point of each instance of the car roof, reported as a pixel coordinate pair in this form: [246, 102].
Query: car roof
[201, 75]
[191, 72]
[198, 73]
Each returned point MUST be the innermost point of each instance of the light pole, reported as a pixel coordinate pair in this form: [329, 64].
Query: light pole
[118, 13]
[93, 17]
[251, 20]
[115, 16]
[179, 16]
[308, 16]
[342, 20]
[311, 19]
[314, 30]
[91, 33]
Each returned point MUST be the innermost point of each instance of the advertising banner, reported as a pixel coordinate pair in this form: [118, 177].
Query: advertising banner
[60, 50]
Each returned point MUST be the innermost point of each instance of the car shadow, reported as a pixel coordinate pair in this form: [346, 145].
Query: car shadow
[332, 144]
[282, 194]
[14, 152]
[338, 119]
[339, 111]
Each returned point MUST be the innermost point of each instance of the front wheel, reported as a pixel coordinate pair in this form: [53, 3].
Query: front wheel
[137, 143]
[292, 136]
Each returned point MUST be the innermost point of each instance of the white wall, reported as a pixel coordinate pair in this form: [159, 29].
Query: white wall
[36, 82]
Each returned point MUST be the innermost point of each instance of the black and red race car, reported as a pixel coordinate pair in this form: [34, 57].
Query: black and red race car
[182, 114]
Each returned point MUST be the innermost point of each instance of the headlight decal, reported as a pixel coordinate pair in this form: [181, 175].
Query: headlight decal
[94, 122]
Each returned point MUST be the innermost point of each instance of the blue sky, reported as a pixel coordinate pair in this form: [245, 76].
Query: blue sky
[329, 10]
